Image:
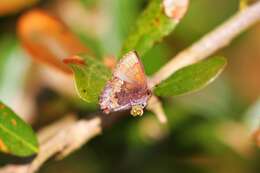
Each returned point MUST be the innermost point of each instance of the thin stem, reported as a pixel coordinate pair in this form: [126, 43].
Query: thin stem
[210, 43]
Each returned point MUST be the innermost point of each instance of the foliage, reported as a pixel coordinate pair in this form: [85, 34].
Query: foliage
[150, 28]
[191, 78]
[191, 141]
[16, 137]
[90, 78]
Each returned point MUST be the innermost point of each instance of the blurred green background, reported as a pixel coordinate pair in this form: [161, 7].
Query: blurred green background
[207, 131]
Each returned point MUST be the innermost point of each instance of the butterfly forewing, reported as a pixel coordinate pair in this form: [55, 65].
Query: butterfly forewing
[130, 69]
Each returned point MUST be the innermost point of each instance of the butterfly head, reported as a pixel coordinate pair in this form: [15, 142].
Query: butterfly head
[137, 110]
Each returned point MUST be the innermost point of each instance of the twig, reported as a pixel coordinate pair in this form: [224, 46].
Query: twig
[215, 40]
[63, 142]
[46, 133]
[78, 133]
[155, 106]
[66, 140]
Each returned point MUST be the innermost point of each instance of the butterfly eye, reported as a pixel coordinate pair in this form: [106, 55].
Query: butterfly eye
[149, 93]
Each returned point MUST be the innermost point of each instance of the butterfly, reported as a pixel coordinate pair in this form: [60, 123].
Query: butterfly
[128, 88]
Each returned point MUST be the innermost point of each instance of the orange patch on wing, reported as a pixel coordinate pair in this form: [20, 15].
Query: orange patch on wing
[139, 74]
[139, 77]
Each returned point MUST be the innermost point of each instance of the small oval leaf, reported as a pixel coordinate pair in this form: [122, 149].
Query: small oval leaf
[16, 137]
[152, 26]
[90, 77]
[191, 78]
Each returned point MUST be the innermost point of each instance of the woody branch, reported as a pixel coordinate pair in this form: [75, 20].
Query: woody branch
[60, 142]
[215, 40]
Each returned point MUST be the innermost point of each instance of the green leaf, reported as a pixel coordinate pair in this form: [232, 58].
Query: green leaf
[150, 28]
[191, 78]
[90, 78]
[16, 137]
[7, 46]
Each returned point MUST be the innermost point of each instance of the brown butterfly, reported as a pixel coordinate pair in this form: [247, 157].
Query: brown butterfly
[128, 87]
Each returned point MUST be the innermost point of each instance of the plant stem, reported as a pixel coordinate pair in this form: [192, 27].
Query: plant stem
[210, 43]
